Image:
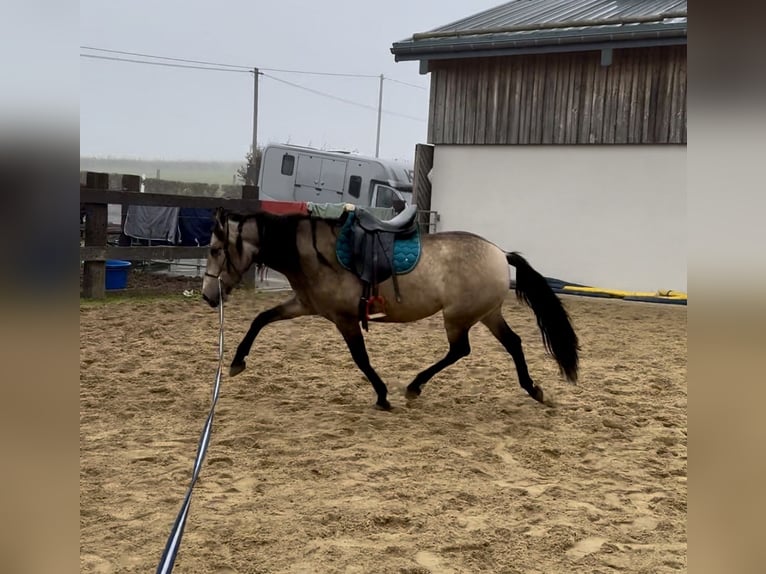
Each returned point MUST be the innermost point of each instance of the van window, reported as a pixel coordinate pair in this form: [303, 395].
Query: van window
[354, 185]
[288, 164]
[385, 197]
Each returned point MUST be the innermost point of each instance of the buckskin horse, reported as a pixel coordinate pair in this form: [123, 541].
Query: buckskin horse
[459, 273]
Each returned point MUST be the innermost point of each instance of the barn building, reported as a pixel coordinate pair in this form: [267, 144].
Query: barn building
[558, 129]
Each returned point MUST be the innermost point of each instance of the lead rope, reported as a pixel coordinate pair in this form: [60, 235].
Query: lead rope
[174, 540]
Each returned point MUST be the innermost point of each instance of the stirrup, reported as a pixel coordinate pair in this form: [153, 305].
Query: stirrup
[370, 302]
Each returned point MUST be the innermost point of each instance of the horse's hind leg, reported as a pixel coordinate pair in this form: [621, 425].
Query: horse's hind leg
[352, 334]
[287, 310]
[512, 343]
[459, 347]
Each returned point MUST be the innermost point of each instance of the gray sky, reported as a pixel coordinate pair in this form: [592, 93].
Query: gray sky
[134, 110]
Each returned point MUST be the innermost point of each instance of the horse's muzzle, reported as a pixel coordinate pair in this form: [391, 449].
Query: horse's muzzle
[210, 302]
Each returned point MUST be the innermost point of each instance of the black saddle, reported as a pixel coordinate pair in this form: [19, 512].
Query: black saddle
[401, 223]
[372, 256]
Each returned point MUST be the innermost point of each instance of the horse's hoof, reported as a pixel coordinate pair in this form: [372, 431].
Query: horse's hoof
[383, 406]
[543, 398]
[412, 392]
[236, 368]
[409, 394]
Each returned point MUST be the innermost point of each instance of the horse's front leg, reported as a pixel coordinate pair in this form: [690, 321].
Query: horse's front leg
[352, 334]
[288, 310]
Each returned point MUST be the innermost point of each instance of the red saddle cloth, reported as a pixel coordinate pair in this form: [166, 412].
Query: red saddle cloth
[285, 207]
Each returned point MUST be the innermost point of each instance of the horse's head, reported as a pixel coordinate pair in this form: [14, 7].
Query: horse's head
[230, 256]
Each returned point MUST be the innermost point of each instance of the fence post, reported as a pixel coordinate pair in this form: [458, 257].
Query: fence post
[250, 192]
[248, 279]
[94, 272]
[421, 185]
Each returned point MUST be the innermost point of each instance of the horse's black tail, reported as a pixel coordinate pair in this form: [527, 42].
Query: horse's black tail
[559, 337]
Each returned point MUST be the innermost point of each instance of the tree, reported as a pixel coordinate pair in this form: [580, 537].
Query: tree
[248, 173]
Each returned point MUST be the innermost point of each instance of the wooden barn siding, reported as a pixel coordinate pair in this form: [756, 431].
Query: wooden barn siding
[561, 99]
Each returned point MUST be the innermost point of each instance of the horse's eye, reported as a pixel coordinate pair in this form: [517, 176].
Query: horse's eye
[214, 251]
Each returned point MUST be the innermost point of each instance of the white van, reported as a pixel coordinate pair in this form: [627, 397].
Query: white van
[295, 173]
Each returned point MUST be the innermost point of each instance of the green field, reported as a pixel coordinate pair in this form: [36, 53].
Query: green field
[220, 172]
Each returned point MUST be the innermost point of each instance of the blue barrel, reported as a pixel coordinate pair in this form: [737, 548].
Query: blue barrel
[117, 274]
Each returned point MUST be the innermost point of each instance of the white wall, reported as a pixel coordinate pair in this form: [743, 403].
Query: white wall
[611, 216]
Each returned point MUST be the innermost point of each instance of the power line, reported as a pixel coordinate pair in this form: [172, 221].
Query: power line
[218, 67]
[405, 83]
[248, 71]
[165, 64]
[154, 56]
[319, 93]
[338, 98]
[320, 73]
[164, 58]
[243, 68]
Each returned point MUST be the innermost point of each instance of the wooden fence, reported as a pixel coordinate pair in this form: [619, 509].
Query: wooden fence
[95, 197]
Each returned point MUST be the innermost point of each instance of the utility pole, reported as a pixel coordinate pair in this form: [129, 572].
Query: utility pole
[380, 111]
[251, 191]
[256, 73]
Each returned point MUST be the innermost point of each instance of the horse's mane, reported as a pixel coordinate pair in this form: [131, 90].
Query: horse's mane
[239, 216]
[279, 218]
[278, 232]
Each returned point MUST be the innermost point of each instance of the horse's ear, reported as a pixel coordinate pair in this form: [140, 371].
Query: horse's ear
[220, 216]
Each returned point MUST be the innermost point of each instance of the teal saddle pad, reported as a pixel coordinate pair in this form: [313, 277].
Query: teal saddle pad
[406, 250]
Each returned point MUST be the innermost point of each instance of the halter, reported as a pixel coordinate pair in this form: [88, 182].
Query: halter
[226, 258]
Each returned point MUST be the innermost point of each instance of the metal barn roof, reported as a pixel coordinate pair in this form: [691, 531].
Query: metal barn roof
[528, 26]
